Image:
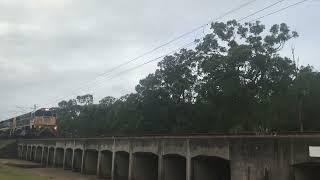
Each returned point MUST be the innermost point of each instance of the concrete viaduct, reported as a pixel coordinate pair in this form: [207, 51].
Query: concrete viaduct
[285, 157]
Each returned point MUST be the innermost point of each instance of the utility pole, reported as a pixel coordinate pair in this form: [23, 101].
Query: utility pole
[299, 96]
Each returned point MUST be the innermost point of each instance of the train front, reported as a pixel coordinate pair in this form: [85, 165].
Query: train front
[45, 122]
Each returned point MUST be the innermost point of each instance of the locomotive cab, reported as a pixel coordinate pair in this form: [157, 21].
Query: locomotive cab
[44, 118]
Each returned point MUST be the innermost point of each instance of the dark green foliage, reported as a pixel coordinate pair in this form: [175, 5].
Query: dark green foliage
[233, 81]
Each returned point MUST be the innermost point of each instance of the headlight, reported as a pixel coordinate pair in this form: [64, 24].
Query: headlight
[55, 128]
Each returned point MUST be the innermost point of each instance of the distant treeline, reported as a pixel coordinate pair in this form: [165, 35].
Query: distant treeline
[233, 81]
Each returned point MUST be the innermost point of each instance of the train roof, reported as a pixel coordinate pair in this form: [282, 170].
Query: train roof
[29, 113]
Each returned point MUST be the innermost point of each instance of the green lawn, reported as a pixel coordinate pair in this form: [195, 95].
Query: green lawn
[12, 173]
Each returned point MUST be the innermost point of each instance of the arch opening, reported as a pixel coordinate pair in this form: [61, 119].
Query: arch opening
[38, 154]
[25, 153]
[306, 171]
[91, 161]
[68, 159]
[77, 161]
[209, 168]
[145, 166]
[174, 167]
[59, 157]
[33, 153]
[121, 165]
[45, 156]
[105, 164]
[51, 156]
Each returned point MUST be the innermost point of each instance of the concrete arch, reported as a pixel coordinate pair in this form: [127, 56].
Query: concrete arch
[25, 152]
[306, 171]
[121, 165]
[45, 155]
[33, 153]
[51, 156]
[59, 155]
[68, 158]
[38, 154]
[90, 161]
[105, 165]
[29, 151]
[174, 167]
[145, 166]
[77, 160]
[20, 148]
[210, 167]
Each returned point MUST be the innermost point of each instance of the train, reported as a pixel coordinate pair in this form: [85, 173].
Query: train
[41, 122]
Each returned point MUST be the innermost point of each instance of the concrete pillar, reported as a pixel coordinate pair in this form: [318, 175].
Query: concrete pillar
[98, 163]
[64, 158]
[72, 161]
[82, 161]
[54, 157]
[188, 161]
[130, 174]
[188, 168]
[160, 168]
[113, 157]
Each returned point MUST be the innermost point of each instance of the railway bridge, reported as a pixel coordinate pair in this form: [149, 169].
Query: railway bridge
[251, 157]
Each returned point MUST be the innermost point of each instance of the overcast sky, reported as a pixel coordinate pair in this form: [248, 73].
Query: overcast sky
[49, 49]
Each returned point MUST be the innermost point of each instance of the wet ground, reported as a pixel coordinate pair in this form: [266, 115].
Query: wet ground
[25, 170]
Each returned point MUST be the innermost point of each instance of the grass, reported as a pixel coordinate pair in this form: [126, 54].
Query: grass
[13, 173]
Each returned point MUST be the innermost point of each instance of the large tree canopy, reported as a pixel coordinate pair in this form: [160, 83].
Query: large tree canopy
[233, 81]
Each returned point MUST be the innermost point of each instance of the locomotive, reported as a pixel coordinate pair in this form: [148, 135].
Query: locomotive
[42, 122]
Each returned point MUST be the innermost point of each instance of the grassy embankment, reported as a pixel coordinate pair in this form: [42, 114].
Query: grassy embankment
[13, 173]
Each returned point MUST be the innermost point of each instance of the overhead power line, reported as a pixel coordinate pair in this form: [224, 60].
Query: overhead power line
[252, 14]
[140, 65]
[169, 42]
[265, 8]
[282, 9]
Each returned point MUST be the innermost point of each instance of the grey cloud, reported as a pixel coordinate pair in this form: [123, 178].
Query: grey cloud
[50, 47]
